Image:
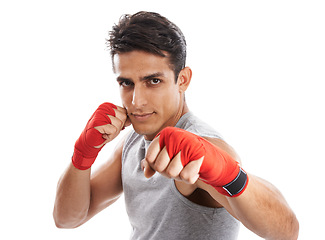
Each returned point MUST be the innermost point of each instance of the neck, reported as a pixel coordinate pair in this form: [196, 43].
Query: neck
[171, 122]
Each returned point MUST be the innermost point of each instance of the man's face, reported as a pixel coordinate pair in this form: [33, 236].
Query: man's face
[148, 90]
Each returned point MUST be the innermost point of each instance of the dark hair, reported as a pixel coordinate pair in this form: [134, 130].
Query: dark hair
[149, 32]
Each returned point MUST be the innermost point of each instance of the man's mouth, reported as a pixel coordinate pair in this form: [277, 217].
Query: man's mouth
[141, 116]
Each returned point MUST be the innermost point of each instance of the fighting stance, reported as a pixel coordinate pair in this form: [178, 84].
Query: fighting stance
[180, 179]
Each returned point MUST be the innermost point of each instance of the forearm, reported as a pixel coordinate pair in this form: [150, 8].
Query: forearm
[72, 198]
[263, 210]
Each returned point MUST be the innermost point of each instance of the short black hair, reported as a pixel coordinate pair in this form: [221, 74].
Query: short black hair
[149, 32]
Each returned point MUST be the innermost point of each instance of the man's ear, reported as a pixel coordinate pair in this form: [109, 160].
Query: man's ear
[184, 78]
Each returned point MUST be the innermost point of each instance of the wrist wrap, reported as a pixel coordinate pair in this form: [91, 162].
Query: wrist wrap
[84, 152]
[218, 169]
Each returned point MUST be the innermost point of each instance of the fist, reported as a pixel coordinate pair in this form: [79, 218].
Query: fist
[103, 126]
[171, 165]
[181, 154]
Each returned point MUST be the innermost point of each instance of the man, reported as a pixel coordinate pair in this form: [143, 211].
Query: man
[179, 178]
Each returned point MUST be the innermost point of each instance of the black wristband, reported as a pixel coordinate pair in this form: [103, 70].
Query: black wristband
[236, 185]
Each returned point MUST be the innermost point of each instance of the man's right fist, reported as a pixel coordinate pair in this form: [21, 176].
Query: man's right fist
[103, 126]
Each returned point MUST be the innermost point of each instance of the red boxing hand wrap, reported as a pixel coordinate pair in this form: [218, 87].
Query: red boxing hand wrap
[218, 169]
[84, 152]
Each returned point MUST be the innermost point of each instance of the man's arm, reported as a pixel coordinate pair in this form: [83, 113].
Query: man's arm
[72, 198]
[260, 207]
[80, 195]
[263, 210]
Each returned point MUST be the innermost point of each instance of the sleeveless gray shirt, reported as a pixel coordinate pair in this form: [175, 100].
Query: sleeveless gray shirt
[155, 207]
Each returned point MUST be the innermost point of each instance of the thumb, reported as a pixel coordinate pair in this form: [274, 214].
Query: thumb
[148, 171]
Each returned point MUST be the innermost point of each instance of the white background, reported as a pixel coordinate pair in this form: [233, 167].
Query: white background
[258, 78]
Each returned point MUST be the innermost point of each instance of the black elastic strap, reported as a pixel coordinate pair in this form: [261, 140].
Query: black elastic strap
[238, 184]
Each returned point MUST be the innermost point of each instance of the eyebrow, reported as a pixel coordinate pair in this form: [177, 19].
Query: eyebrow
[145, 78]
[122, 79]
[154, 75]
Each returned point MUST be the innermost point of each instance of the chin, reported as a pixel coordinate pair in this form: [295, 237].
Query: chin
[149, 131]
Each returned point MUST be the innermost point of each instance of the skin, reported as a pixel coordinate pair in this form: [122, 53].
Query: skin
[151, 101]
[149, 95]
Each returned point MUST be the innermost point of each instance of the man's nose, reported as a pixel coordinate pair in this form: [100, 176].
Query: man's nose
[139, 97]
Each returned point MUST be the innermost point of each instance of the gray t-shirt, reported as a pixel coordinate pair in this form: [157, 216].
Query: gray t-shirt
[155, 207]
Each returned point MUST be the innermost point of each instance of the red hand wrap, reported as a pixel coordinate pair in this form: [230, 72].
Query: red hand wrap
[218, 169]
[84, 152]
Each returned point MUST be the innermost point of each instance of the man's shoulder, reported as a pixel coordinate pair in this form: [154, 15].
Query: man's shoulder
[193, 124]
[131, 139]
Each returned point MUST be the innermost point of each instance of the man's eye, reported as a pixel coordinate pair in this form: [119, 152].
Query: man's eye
[125, 83]
[154, 81]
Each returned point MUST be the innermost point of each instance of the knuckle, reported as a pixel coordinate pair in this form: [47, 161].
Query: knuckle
[124, 117]
[115, 129]
[108, 129]
[121, 123]
[159, 167]
[116, 123]
[121, 115]
[184, 176]
[149, 158]
[171, 172]
[188, 177]
[192, 180]
[121, 109]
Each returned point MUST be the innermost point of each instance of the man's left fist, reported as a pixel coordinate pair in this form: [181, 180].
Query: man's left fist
[218, 168]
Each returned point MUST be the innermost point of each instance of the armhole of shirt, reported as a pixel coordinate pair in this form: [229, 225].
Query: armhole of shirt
[190, 204]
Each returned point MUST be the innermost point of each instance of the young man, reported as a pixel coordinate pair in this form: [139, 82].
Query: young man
[179, 178]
